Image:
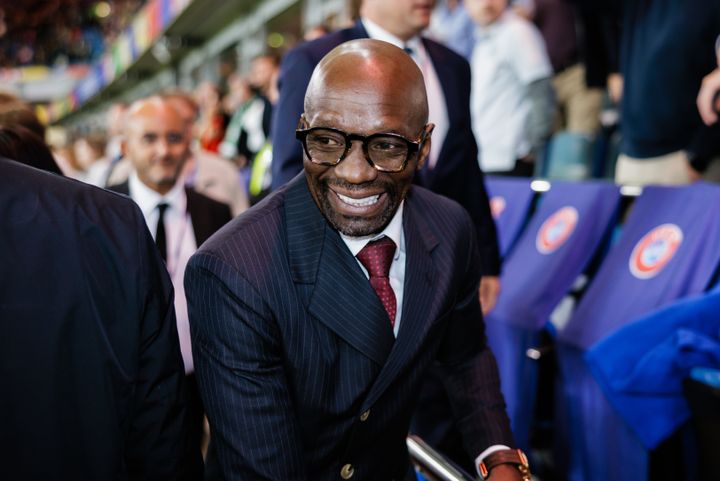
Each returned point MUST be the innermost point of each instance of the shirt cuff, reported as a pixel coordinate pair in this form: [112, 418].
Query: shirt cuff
[486, 453]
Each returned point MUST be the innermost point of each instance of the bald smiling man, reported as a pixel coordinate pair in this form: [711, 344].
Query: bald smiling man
[315, 314]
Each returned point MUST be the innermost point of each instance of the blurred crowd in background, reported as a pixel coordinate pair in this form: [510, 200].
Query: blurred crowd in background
[542, 70]
[52, 33]
[549, 79]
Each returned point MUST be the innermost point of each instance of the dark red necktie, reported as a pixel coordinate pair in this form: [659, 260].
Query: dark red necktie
[377, 256]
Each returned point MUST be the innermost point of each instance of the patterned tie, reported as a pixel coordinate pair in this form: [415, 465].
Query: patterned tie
[160, 239]
[377, 256]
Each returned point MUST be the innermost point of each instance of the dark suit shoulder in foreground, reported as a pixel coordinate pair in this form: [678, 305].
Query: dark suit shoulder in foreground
[91, 367]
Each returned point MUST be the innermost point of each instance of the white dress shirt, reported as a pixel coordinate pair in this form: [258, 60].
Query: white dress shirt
[181, 244]
[509, 55]
[437, 108]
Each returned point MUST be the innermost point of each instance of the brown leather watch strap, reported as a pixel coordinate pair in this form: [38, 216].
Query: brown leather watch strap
[506, 456]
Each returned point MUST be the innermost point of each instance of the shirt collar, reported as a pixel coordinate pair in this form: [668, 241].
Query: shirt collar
[376, 32]
[485, 31]
[393, 230]
[147, 199]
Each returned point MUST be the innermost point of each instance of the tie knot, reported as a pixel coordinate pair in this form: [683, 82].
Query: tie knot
[377, 256]
[162, 207]
[408, 50]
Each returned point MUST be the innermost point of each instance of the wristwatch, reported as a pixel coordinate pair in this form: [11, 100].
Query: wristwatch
[506, 456]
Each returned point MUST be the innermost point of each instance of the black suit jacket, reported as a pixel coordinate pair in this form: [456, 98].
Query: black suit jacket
[90, 365]
[456, 174]
[297, 365]
[207, 215]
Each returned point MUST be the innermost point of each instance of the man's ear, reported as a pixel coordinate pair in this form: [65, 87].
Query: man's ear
[425, 147]
[302, 123]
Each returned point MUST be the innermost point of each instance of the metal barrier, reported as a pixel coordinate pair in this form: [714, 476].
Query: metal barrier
[432, 464]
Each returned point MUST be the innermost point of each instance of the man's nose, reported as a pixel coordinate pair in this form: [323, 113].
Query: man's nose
[163, 147]
[355, 168]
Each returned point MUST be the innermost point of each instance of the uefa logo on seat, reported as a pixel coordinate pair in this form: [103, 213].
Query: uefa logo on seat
[653, 252]
[556, 230]
[497, 206]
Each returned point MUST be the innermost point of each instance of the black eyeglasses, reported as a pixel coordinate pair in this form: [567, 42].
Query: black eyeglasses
[386, 152]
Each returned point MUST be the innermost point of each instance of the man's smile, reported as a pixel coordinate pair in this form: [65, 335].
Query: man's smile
[359, 202]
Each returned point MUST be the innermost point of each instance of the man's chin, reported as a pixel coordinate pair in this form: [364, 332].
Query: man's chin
[357, 226]
[163, 185]
[167, 181]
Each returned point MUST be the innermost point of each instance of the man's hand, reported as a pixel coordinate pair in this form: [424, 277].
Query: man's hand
[505, 472]
[615, 85]
[489, 290]
[708, 101]
[693, 174]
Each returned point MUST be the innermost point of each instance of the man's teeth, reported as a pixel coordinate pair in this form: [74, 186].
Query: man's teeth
[365, 201]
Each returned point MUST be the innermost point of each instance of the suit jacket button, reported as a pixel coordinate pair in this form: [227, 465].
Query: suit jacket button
[364, 416]
[347, 471]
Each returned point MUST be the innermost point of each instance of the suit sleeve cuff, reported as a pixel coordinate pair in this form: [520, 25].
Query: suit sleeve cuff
[486, 453]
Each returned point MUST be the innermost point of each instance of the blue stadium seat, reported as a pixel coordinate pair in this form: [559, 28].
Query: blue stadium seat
[669, 248]
[571, 222]
[510, 202]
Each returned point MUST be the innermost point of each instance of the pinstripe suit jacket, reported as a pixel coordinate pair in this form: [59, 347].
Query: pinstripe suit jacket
[295, 357]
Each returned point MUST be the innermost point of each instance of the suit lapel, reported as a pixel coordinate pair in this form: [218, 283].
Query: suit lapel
[448, 79]
[445, 77]
[339, 294]
[418, 297]
[202, 219]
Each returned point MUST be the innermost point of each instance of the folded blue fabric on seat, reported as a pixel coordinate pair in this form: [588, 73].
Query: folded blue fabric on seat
[641, 366]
